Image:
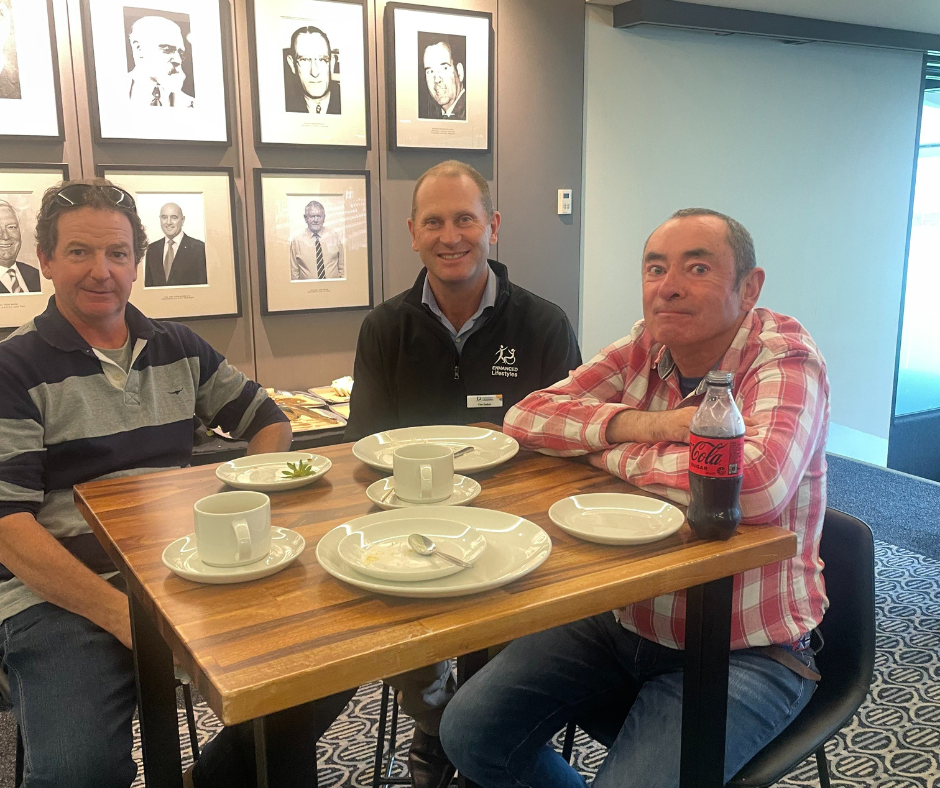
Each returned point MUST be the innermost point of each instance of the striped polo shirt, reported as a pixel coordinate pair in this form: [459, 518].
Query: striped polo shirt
[62, 422]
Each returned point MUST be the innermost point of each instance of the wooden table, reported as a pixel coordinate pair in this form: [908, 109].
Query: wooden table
[256, 648]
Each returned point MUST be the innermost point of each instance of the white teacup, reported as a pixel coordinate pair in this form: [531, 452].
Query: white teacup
[424, 472]
[233, 528]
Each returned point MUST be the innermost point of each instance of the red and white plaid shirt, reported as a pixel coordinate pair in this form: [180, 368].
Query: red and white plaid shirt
[780, 383]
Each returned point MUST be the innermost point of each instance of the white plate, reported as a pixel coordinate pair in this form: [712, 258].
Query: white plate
[465, 490]
[263, 472]
[490, 448]
[514, 547]
[381, 549]
[615, 518]
[182, 558]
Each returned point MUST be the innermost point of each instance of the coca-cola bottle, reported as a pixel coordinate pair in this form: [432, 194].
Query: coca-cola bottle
[716, 460]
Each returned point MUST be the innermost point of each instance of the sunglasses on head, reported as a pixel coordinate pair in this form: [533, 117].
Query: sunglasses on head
[77, 194]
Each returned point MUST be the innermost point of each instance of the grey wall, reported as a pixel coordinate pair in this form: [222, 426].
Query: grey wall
[537, 149]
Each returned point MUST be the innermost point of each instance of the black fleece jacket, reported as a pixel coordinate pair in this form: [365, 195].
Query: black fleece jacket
[408, 373]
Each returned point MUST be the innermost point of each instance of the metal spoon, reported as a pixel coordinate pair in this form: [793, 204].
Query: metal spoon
[424, 546]
[464, 450]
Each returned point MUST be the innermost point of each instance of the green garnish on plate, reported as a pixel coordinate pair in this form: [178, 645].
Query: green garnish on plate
[298, 470]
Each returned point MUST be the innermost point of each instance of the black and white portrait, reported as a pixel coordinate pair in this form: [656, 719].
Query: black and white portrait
[9, 67]
[316, 251]
[310, 71]
[316, 51]
[442, 86]
[440, 77]
[175, 224]
[159, 59]
[17, 277]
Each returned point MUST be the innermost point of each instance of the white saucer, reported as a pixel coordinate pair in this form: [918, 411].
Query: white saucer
[380, 549]
[490, 447]
[615, 518]
[264, 472]
[181, 557]
[465, 490]
[514, 547]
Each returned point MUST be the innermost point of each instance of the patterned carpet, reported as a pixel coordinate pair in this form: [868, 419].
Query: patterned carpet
[892, 743]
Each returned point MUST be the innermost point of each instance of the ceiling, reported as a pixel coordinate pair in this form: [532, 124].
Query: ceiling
[922, 16]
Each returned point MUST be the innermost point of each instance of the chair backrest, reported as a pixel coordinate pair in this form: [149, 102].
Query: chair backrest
[848, 627]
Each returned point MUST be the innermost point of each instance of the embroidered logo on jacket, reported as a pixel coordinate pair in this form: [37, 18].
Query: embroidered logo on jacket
[505, 365]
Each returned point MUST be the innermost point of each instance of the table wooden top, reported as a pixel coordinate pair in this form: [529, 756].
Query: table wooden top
[259, 647]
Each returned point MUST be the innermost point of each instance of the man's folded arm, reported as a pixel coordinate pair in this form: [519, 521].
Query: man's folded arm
[571, 418]
[785, 400]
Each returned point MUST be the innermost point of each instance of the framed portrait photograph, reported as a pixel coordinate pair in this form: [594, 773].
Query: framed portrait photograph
[156, 70]
[309, 75]
[315, 240]
[190, 269]
[24, 292]
[440, 77]
[30, 98]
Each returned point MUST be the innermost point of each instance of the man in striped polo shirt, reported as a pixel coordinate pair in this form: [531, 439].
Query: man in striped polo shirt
[90, 389]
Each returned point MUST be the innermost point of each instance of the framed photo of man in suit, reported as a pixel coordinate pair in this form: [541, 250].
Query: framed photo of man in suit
[30, 98]
[190, 269]
[439, 66]
[157, 70]
[315, 236]
[309, 72]
[23, 290]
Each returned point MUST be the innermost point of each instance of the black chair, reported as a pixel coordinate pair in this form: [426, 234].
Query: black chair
[846, 662]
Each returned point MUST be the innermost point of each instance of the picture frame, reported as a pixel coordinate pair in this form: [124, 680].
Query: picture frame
[30, 93]
[439, 67]
[300, 103]
[298, 274]
[195, 206]
[157, 70]
[21, 190]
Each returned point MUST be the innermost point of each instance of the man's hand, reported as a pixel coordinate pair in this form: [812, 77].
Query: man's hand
[640, 426]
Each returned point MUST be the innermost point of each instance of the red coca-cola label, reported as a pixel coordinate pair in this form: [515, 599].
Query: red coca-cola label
[717, 458]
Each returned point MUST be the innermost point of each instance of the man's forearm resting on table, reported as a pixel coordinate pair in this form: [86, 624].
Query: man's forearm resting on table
[31, 553]
[274, 437]
[640, 426]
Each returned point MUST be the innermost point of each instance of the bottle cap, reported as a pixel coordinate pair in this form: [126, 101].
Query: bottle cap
[719, 378]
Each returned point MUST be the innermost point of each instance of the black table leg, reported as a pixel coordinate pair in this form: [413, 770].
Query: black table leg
[156, 699]
[261, 752]
[705, 684]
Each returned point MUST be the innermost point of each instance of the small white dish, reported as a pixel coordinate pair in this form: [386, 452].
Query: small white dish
[465, 490]
[264, 472]
[490, 447]
[616, 518]
[182, 558]
[515, 547]
[380, 549]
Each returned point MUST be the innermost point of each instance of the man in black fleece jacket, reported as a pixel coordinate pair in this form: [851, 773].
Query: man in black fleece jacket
[463, 345]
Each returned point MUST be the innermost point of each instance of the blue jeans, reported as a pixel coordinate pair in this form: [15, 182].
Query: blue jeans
[74, 698]
[496, 729]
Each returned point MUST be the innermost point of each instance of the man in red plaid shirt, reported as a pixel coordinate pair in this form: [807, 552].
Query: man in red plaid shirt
[628, 410]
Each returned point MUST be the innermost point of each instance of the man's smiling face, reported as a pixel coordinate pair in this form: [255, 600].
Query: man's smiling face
[451, 231]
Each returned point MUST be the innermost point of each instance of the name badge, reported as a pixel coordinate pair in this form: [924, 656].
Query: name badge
[485, 401]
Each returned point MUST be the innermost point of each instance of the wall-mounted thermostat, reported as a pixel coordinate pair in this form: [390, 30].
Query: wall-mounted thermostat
[564, 201]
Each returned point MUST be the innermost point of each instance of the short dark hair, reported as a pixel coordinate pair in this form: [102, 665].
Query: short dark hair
[311, 30]
[98, 198]
[739, 239]
[454, 169]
